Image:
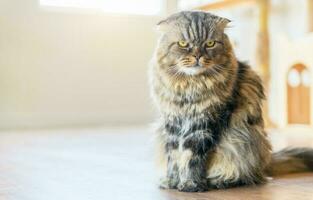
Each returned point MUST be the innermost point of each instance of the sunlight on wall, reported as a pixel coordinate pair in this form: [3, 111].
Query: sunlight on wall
[152, 7]
[187, 4]
[71, 68]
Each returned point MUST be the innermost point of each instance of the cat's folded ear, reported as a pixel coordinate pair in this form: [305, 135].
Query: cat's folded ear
[222, 22]
[161, 25]
[164, 24]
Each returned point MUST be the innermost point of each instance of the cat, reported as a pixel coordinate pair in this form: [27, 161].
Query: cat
[210, 131]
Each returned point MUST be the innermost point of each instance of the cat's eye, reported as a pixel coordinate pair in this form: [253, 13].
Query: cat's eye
[182, 44]
[210, 43]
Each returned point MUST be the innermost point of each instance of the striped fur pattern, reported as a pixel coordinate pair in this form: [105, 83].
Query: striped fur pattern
[210, 130]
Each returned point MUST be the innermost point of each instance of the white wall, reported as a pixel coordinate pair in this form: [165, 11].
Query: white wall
[60, 68]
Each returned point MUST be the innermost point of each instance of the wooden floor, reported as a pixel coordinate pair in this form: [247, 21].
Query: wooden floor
[103, 164]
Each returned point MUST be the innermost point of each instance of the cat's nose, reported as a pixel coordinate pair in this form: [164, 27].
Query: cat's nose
[197, 56]
[197, 53]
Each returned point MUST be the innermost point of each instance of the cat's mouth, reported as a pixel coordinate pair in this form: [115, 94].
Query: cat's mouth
[197, 66]
[193, 70]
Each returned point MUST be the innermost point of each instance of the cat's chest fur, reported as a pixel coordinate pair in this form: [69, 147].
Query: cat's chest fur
[183, 116]
[190, 107]
[186, 100]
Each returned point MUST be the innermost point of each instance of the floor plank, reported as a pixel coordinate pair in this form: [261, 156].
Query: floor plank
[113, 164]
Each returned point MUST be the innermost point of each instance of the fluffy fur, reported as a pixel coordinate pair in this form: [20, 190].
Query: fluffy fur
[210, 132]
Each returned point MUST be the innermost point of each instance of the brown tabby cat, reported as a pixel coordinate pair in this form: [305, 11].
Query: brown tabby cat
[211, 132]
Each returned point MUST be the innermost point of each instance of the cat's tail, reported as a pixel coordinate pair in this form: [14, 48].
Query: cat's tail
[291, 160]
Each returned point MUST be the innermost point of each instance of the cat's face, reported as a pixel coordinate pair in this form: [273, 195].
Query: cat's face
[193, 43]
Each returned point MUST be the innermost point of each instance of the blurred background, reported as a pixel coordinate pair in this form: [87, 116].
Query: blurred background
[75, 108]
[83, 63]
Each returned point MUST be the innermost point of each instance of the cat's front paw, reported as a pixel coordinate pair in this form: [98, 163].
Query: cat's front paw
[167, 183]
[192, 186]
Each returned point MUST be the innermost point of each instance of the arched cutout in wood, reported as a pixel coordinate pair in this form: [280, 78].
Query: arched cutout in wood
[298, 95]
